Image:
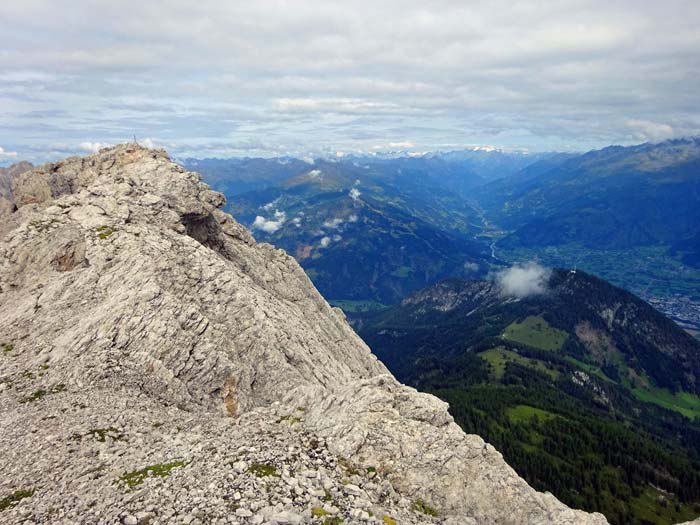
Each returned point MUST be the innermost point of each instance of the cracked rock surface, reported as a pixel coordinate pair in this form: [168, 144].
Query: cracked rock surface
[157, 365]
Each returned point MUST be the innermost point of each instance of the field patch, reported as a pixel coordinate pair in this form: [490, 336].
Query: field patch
[499, 357]
[526, 413]
[535, 331]
[681, 402]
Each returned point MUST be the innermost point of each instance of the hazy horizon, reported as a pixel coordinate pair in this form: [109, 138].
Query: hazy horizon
[313, 78]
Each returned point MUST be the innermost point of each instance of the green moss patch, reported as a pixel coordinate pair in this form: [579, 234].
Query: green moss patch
[13, 499]
[42, 226]
[135, 478]
[262, 470]
[421, 506]
[104, 231]
[34, 396]
[292, 420]
[101, 434]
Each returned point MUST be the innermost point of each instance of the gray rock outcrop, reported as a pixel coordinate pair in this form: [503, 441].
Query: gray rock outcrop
[157, 365]
[7, 177]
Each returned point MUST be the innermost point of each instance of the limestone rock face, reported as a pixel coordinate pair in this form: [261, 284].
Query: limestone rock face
[7, 176]
[158, 365]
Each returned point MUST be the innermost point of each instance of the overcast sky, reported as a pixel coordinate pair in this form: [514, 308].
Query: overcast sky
[258, 77]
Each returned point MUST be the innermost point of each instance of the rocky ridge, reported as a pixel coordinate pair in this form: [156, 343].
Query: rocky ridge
[157, 365]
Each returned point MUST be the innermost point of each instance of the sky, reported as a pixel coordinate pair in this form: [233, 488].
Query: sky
[267, 78]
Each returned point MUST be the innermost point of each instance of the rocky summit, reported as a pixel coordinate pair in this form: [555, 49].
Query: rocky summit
[157, 365]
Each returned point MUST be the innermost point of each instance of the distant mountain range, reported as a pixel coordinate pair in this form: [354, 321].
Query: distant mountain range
[457, 170]
[629, 214]
[368, 234]
[617, 197]
[580, 378]
[235, 176]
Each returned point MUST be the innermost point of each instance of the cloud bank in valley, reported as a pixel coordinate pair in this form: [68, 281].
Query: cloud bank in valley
[524, 280]
[269, 225]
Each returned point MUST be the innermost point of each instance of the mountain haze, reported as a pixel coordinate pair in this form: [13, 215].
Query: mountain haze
[615, 197]
[368, 232]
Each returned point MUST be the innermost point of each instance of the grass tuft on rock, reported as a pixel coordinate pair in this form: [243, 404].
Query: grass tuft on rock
[292, 420]
[34, 396]
[318, 512]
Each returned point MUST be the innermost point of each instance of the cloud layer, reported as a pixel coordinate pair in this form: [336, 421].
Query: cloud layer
[271, 77]
[524, 280]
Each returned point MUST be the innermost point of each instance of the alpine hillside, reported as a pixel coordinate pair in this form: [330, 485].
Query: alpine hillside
[590, 392]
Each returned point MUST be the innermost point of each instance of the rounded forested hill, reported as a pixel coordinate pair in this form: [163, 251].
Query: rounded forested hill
[589, 392]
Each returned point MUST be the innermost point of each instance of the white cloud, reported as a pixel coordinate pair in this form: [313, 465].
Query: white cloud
[524, 280]
[314, 174]
[333, 223]
[352, 218]
[270, 205]
[337, 238]
[269, 225]
[7, 154]
[404, 144]
[93, 147]
[325, 241]
[354, 194]
[646, 130]
[296, 221]
[349, 106]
